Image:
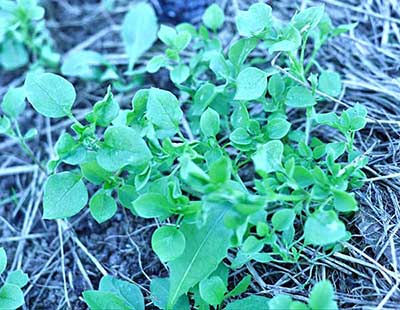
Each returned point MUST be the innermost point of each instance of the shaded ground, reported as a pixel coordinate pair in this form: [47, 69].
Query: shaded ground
[365, 274]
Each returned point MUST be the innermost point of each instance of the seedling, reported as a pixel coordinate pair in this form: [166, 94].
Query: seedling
[138, 34]
[24, 38]
[11, 295]
[122, 295]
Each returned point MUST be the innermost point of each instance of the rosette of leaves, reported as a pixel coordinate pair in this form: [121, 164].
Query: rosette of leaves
[227, 165]
[24, 38]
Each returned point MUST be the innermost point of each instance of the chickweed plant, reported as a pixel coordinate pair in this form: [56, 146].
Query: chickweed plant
[232, 165]
[24, 38]
[138, 34]
[11, 295]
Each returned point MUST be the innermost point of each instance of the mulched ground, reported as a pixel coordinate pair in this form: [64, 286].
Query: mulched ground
[365, 273]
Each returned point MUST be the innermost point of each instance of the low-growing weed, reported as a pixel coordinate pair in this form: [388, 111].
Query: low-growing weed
[138, 34]
[11, 295]
[24, 38]
[122, 295]
[226, 165]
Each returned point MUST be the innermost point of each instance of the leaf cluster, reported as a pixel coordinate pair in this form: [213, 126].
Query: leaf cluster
[234, 164]
[138, 33]
[123, 295]
[24, 37]
[11, 295]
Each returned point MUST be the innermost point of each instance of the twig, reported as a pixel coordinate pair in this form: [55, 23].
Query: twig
[60, 235]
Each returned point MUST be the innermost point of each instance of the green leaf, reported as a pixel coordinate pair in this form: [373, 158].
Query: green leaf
[151, 205]
[203, 98]
[268, 157]
[139, 31]
[322, 296]
[280, 302]
[276, 86]
[3, 260]
[323, 228]
[254, 21]
[240, 136]
[13, 55]
[300, 97]
[212, 290]
[220, 170]
[104, 111]
[302, 176]
[343, 201]
[83, 64]
[343, 29]
[92, 171]
[122, 146]
[18, 278]
[69, 150]
[309, 18]
[209, 123]
[163, 111]
[98, 300]
[102, 206]
[283, 219]
[239, 51]
[50, 94]
[251, 84]
[167, 35]
[64, 196]
[127, 291]
[277, 128]
[329, 82]
[220, 66]
[182, 40]
[214, 17]
[240, 288]
[156, 63]
[207, 247]
[180, 74]
[249, 303]
[159, 288]
[14, 102]
[11, 297]
[168, 243]
[289, 42]
[127, 195]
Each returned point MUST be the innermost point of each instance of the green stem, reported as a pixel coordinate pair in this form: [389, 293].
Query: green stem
[27, 149]
[309, 113]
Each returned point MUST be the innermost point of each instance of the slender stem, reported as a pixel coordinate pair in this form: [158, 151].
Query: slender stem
[309, 113]
[27, 149]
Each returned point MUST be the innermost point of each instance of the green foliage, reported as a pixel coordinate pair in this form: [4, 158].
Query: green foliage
[168, 243]
[64, 195]
[251, 84]
[114, 294]
[88, 65]
[11, 295]
[23, 36]
[225, 167]
[50, 94]
[321, 297]
[213, 17]
[139, 31]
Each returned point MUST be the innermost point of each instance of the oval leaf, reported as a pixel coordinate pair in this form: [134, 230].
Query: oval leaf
[50, 94]
[65, 195]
